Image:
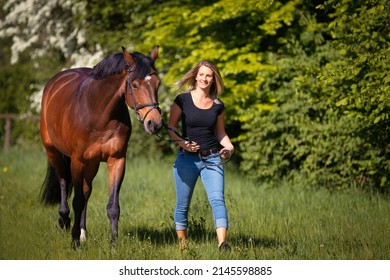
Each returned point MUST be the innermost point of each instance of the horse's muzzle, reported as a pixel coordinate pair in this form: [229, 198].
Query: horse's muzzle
[151, 127]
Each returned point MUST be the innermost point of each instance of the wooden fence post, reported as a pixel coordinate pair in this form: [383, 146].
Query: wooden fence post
[7, 140]
[8, 126]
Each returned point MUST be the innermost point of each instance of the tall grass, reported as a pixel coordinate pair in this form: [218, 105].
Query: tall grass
[267, 221]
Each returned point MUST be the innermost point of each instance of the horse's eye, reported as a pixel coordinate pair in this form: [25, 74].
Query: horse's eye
[135, 85]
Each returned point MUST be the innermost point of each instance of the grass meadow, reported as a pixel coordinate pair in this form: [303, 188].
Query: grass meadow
[267, 222]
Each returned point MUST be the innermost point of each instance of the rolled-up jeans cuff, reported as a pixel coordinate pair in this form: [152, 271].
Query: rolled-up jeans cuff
[221, 223]
[180, 226]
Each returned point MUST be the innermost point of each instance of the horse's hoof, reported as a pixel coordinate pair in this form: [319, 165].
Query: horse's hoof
[75, 244]
[64, 223]
[114, 237]
[83, 235]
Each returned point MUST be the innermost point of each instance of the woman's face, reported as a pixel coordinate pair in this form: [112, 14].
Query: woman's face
[204, 77]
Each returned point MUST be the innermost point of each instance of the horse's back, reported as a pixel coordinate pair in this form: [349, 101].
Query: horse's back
[63, 83]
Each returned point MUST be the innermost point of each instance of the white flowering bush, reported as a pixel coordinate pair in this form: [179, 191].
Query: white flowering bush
[38, 26]
[44, 25]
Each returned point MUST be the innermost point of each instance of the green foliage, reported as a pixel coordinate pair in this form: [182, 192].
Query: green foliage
[358, 81]
[15, 97]
[115, 23]
[329, 119]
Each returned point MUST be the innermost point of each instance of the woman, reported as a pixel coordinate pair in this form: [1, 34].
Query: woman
[201, 113]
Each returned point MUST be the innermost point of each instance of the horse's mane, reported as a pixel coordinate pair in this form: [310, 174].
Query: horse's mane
[115, 63]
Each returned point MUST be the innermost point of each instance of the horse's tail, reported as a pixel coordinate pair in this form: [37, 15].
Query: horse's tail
[51, 191]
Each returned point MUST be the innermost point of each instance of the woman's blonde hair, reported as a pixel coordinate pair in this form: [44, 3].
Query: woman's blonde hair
[216, 88]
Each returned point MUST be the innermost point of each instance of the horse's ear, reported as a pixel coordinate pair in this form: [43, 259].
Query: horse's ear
[127, 56]
[154, 53]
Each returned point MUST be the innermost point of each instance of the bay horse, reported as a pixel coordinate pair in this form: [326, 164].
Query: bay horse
[85, 120]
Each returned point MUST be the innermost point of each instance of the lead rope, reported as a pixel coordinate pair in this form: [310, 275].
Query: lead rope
[187, 139]
[223, 162]
[174, 131]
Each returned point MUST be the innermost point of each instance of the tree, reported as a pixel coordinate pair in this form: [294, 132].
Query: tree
[358, 80]
[329, 120]
[41, 26]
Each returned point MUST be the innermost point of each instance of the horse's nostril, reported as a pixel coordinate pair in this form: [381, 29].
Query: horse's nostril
[150, 126]
[153, 127]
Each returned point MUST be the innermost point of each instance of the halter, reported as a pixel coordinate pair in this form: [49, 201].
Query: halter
[137, 106]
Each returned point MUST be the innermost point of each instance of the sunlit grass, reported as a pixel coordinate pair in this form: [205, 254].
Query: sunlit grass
[267, 222]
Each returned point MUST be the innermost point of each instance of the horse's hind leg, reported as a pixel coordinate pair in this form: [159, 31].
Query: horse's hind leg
[64, 220]
[65, 185]
[116, 169]
[61, 165]
[82, 181]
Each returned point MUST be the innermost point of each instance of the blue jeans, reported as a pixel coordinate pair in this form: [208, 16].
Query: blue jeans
[186, 170]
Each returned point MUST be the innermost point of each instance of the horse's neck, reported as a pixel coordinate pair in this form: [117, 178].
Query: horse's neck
[106, 97]
[107, 93]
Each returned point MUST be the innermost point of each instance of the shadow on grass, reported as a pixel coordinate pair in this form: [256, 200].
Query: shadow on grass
[167, 235]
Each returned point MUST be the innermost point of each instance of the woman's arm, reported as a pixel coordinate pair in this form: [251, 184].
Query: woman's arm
[173, 121]
[222, 137]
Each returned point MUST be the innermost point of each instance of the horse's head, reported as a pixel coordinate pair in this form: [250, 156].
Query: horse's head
[142, 85]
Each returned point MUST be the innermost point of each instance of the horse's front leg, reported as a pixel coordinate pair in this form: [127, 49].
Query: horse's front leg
[116, 169]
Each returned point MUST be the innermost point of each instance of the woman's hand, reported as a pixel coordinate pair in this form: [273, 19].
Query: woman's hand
[190, 146]
[226, 153]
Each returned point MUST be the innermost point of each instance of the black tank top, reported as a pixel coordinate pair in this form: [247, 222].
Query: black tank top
[199, 124]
